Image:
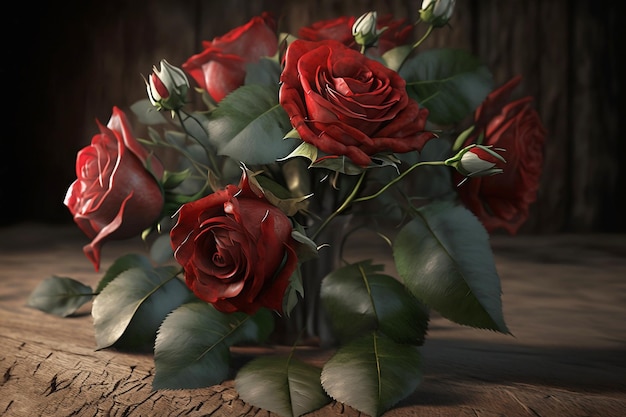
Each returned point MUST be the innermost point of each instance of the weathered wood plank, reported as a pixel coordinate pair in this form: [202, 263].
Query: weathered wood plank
[551, 211]
[564, 299]
[90, 57]
[596, 129]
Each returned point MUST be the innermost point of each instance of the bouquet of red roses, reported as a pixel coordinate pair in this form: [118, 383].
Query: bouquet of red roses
[345, 126]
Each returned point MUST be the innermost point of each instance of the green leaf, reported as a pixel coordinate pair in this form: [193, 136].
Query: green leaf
[173, 179]
[161, 249]
[431, 182]
[251, 329]
[249, 126]
[285, 386]
[155, 138]
[195, 124]
[195, 160]
[192, 344]
[147, 113]
[445, 259]
[190, 350]
[175, 138]
[372, 373]
[376, 302]
[450, 83]
[265, 71]
[394, 58]
[60, 296]
[121, 264]
[294, 291]
[129, 310]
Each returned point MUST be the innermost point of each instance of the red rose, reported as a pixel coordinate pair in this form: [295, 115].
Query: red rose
[236, 249]
[115, 195]
[397, 33]
[340, 29]
[221, 67]
[502, 200]
[347, 104]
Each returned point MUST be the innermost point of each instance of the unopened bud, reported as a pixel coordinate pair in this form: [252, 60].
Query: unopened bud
[477, 161]
[167, 87]
[437, 12]
[364, 30]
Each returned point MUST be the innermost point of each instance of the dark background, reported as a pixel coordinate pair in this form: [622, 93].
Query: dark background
[64, 66]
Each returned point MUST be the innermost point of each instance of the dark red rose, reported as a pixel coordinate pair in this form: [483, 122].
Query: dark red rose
[236, 249]
[116, 195]
[221, 67]
[347, 104]
[503, 200]
[397, 33]
[340, 29]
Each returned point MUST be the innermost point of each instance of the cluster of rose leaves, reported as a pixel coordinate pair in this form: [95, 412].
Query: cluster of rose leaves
[232, 242]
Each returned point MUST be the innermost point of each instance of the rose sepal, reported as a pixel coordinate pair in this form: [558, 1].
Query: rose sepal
[276, 194]
[365, 31]
[340, 164]
[167, 87]
[476, 161]
[461, 138]
[437, 12]
[307, 249]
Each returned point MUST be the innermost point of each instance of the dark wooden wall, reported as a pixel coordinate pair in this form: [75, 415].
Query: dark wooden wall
[64, 66]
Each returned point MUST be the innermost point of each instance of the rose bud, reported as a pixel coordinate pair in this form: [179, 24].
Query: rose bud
[437, 12]
[364, 30]
[167, 88]
[476, 161]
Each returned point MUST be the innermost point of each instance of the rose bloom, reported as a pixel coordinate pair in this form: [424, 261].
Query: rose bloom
[236, 249]
[347, 104]
[116, 194]
[221, 67]
[503, 200]
[340, 29]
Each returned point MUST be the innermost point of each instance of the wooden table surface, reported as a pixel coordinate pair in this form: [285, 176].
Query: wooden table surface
[564, 301]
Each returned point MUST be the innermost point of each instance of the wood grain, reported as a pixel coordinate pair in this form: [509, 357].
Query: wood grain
[564, 300]
[90, 57]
